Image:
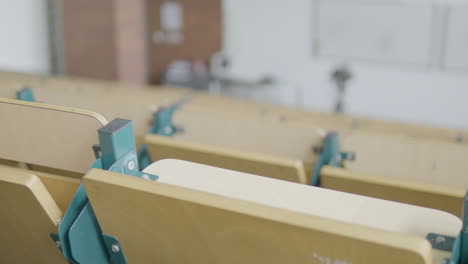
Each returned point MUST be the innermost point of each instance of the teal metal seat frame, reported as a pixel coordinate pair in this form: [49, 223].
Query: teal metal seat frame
[162, 124]
[79, 235]
[331, 155]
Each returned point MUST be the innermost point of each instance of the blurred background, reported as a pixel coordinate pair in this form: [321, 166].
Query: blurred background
[403, 60]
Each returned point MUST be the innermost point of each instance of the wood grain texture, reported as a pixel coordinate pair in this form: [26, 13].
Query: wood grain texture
[448, 199]
[61, 189]
[418, 160]
[51, 136]
[331, 121]
[213, 228]
[54, 171]
[9, 163]
[160, 147]
[399, 156]
[270, 137]
[28, 215]
[427, 161]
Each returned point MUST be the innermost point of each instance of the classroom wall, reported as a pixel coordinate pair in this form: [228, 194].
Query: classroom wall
[404, 74]
[24, 36]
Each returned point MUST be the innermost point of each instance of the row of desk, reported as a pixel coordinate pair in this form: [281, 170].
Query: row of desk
[224, 212]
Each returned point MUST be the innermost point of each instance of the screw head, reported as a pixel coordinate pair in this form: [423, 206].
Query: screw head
[168, 130]
[115, 248]
[131, 165]
[440, 239]
[58, 244]
[338, 158]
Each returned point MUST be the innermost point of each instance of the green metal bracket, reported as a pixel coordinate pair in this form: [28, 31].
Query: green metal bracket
[114, 249]
[161, 125]
[330, 155]
[460, 248]
[80, 237]
[25, 94]
[441, 242]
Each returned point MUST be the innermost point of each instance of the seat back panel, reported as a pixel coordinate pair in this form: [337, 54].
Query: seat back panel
[448, 199]
[28, 216]
[50, 136]
[281, 168]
